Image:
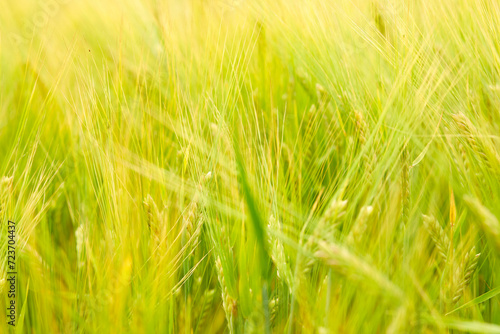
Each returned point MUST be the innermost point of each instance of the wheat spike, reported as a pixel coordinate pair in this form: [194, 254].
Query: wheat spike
[351, 266]
[207, 300]
[273, 308]
[361, 126]
[153, 215]
[322, 95]
[322, 230]
[278, 252]
[438, 235]
[488, 222]
[5, 193]
[228, 302]
[470, 132]
[360, 226]
[305, 82]
[80, 236]
[465, 272]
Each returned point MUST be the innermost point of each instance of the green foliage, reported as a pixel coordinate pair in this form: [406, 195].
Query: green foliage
[251, 166]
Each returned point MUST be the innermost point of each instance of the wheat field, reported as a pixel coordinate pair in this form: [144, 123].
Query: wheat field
[250, 166]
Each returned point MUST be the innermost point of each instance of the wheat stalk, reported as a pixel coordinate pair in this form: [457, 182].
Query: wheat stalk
[405, 185]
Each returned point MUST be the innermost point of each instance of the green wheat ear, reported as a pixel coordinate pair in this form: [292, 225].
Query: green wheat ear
[358, 231]
[487, 222]
[228, 302]
[438, 235]
[6, 184]
[80, 235]
[465, 273]
[153, 214]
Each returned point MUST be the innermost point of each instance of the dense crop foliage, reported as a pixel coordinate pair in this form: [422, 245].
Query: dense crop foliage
[251, 166]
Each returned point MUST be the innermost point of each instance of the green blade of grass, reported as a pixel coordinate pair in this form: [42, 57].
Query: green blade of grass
[260, 234]
[478, 300]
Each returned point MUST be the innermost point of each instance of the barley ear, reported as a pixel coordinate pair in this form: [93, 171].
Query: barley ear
[228, 302]
[437, 235]
[361, 224]
[152, 214]
[487, 222]
[5, 193]
[467, 270]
